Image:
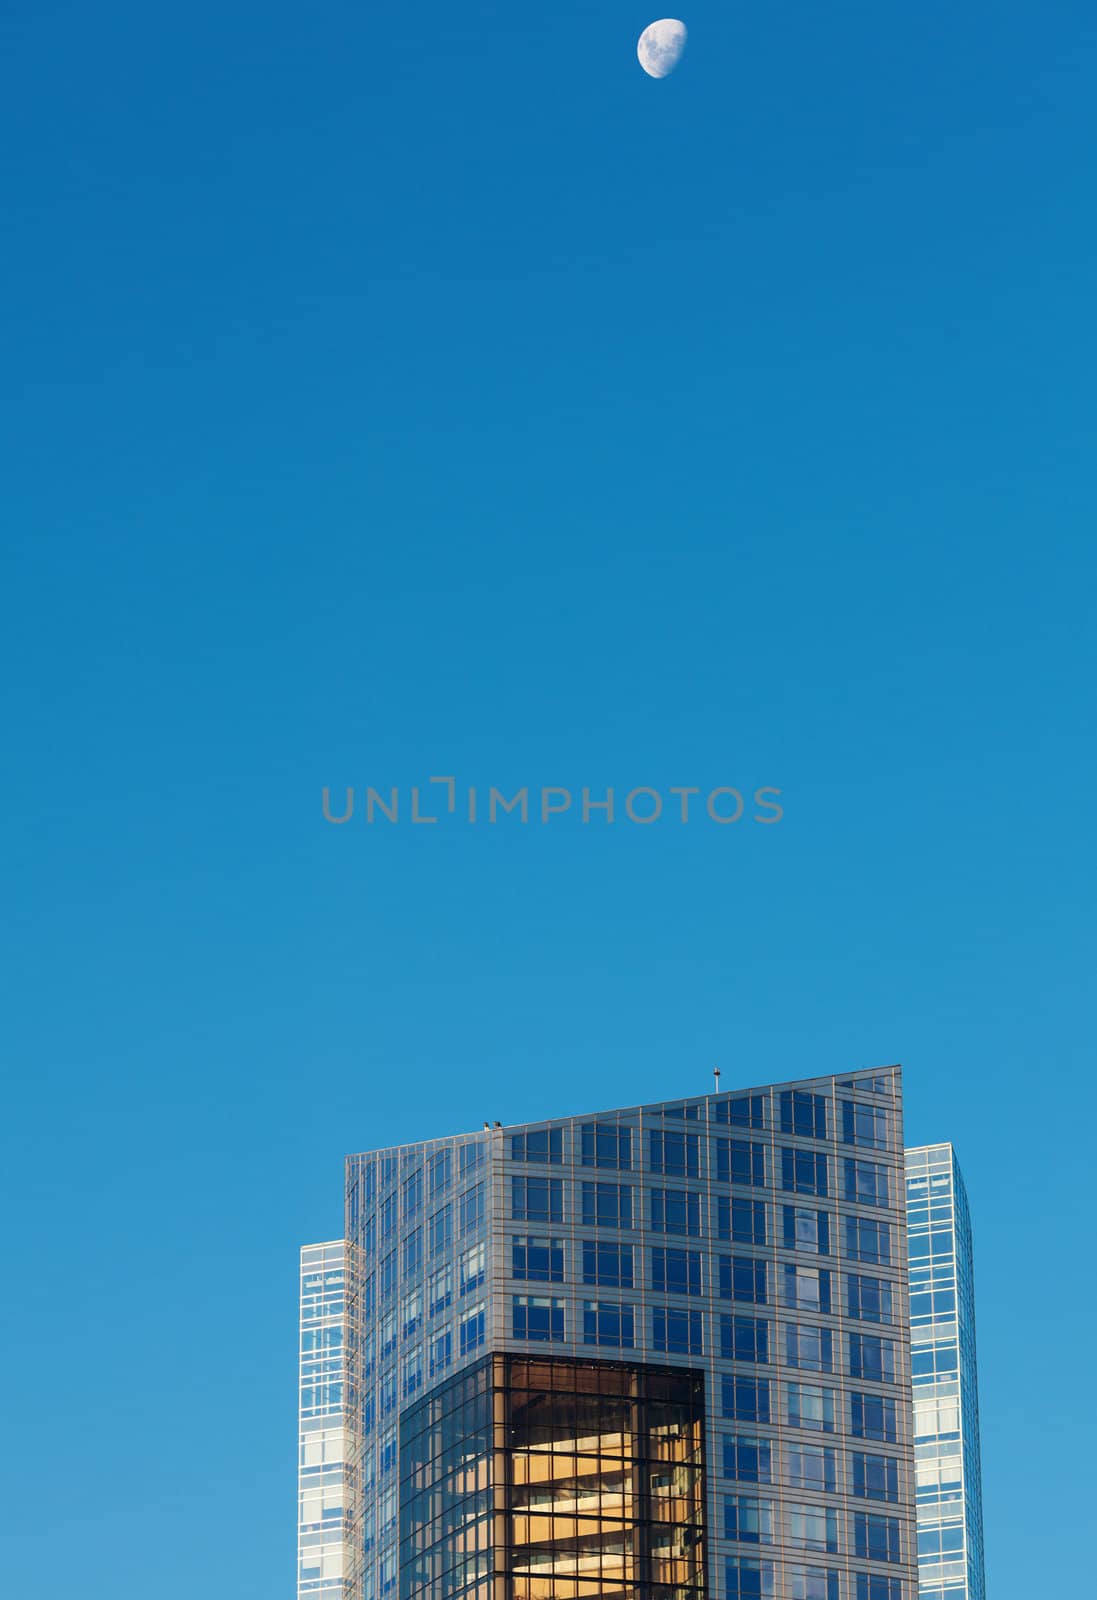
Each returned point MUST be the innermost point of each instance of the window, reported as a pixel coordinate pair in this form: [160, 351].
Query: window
[544, 1144]
[388, 1217]
[743, 1221]
[607, 1323]
[439, 1172]
[469, 1157]
[875, 1477]
[868, 1299]
[537, 1260]
[608, 1265]
[803, 1114]
[740, 1161]
[441, 1352]
[804, 1172]
[747, 1520]
[812, 1583]
[413, 1252]
[743, 1278]
[875, 1538]
[868, 1240]
[537, 1199]
[677, 1332]
[387, 1333]
[812, 1466]
[675, 1211]
[866, 1182]
[411, 1373]
[388, 1276]
[439, 1290]
[676, 1154]
[606, 1145]
[470, 1331]
[747, 1460]
[813, 1527]
[810, 1348]
[744, 1338]
[807, 1229]
[746, 1399]
[871, 1586]
[749, 1580]
[607, 1205]
[535, 1316]
[411, 1313]
[864, 1124]
[810, 1407]
[440, 1230]
[871, 1357]
[413, 1194]
[806, 1288]
[676, 1271]
[744, 1111]
[872, 1416]
[471, 1267]
[472, 1209]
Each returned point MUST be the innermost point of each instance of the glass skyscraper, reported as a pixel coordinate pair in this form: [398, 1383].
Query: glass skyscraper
[660, 1353]
[946, 1405]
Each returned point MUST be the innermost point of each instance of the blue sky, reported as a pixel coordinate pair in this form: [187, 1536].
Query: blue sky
[421, 390]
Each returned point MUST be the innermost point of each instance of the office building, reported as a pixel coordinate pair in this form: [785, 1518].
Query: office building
[946, 1406]
[659, 1353]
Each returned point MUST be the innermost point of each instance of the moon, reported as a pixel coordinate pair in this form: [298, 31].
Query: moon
[660, 46]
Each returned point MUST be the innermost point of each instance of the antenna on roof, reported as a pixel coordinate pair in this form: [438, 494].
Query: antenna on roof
[716, 1078]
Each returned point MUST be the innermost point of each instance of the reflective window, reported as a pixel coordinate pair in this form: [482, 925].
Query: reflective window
[676, 1154]
[745, 1399]
[609, 1265]
[868, 1299]
[809, 1406]
[804, 1172]
[747, 1459]
[607, 1205]
[875, 1477]
[803, 1114]
[743, 1221]
[808, 1347]
[866, 1182]
[535, 1316]
[543, 1144]
[872, 1416]
[676, 1332]
[676, 1271]
[675, 1211]
[607, 1322]
[743, 1278]
[604, 1144]
[806, 1229]
[537, 1260]
[868, 1240]
[747, 1519]
[743, 1111]
[744, 1338]
[537, 1199]
[876, 1538]
[740, 1161]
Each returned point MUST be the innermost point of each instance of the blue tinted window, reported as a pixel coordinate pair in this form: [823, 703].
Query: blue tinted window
[605, 1264]
[537, 1317]
[746, 1399]
[803, 1114]
[804, 1172]
[544, 1144]
[675, 1211]
[743, 1278]
[740, 1161]
[676, 1271]
[806, 1229]
[607, 1205]
[607, 1323]
[538, 1260]
[676, 1331]
[606, 1145]
[744, 1338]
[742, 1221]
[747, 1459]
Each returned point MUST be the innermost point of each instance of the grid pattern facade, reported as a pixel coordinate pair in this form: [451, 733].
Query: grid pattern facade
[323, 1489]
[554, 1480]
[946, 1405]
[757, 1239]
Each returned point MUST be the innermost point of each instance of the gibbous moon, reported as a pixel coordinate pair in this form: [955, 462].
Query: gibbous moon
[660, 46]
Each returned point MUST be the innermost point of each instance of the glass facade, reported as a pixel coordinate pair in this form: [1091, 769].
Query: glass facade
[752, 1243]
[323, 1498]
[946, 1404]
[554, 1480]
